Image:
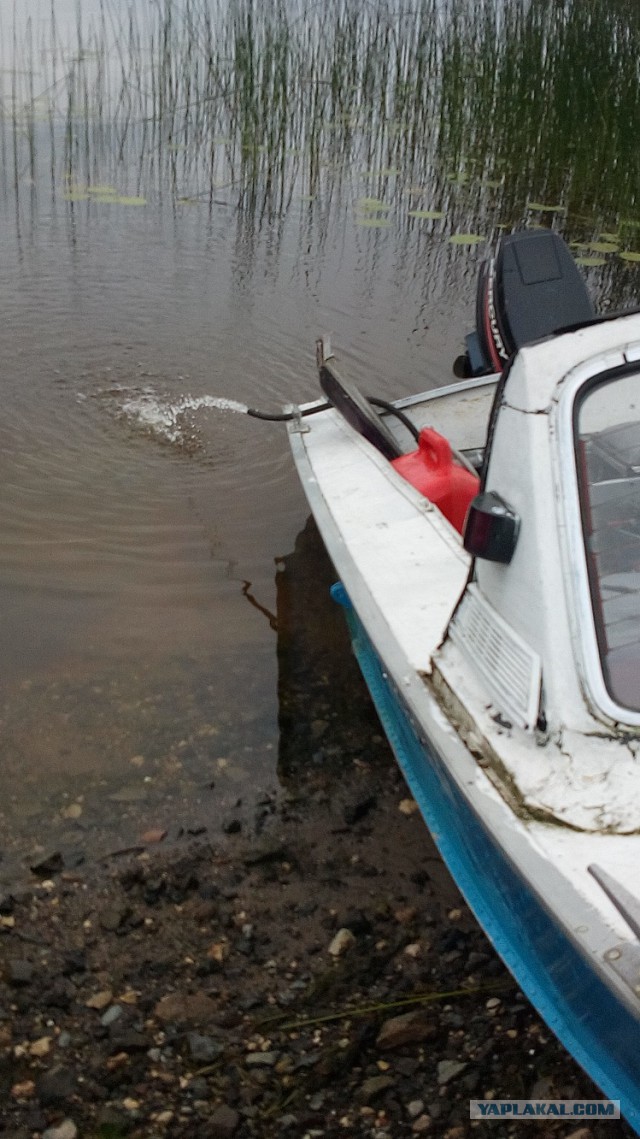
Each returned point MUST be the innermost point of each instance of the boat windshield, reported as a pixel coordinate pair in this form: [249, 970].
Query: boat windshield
[607, 442]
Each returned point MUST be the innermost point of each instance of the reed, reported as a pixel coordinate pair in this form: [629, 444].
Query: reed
[279, 96]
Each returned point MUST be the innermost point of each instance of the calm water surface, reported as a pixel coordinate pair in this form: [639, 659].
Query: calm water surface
[151, 259]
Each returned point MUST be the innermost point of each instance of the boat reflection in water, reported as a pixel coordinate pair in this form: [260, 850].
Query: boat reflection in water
[326, 717]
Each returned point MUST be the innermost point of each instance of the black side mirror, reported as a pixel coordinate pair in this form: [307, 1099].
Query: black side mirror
[491, 528]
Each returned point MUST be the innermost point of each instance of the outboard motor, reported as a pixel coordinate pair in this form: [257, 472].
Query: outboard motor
[529, 289]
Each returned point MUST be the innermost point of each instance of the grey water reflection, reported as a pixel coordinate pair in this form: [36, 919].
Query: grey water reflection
[189, 192]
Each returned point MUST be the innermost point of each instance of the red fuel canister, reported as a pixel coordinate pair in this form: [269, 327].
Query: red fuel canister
[433, 471]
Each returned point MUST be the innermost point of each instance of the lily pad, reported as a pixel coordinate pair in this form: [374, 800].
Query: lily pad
[372, 205]
[609, 236]
[307, 198]
[458, 179]
[120, 200]
[103, 191]
[427, 215]
[373, 222]
[628, 255]
[75, 196]
[604, 246]
[588, 261]
[466, 239]
[543, 208]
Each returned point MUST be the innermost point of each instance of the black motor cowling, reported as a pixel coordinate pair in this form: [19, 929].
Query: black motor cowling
[530, 288]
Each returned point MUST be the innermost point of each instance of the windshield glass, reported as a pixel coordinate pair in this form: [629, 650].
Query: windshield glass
[607, 435]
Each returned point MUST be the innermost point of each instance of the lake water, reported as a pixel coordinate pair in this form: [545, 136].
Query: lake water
[189, 194]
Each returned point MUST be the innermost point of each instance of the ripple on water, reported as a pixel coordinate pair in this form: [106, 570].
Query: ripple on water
[113, 545]
[245, 454]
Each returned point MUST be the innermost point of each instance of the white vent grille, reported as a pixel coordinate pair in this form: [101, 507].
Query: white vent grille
[508, 667]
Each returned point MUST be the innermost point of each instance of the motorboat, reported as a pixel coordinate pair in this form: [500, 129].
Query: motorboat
[486, 543]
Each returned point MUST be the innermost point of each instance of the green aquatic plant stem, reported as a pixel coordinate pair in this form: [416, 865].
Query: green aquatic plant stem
[497, 94]
[388, 1006]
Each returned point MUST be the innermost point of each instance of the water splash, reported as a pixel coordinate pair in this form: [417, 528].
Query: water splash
[170, 420]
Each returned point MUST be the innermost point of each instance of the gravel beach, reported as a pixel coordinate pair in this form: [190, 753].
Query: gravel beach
[322, 977]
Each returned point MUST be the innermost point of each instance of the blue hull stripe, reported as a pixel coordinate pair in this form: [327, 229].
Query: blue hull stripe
[589, 1020]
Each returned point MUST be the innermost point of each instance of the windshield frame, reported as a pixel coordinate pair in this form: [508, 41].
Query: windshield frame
[584, 605]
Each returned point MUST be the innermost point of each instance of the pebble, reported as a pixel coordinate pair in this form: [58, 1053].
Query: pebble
[415, 1108]
[23, 1090]
[357, 810]
[56, 1085]
[73, 811]
[405, 915]
[410, 1028]
[261, 1059]
[111, 1015]
[120, 1060]
[203, 1049]
[100, 1000]
[373, 1087]
[199, 1088]
[448, 1070]
[40, 1047]
[180, 1008]
[222, 1123]
[422, 1124]
[20, 973]
[156, 834]
[65, 1130]
[341, 943]
[113, 917]
[49, 864]
[414, 950]
[408, 807]
[129, 1041]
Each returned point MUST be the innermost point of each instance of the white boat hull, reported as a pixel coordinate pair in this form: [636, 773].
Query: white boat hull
[402, 569]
